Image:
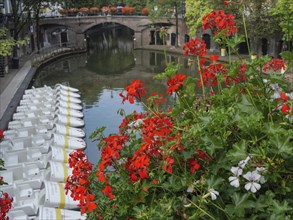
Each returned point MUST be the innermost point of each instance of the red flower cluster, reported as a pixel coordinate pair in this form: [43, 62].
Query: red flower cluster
[195, 47]
[284, 104]
[156, 132]
[226, 3]
[274, 65]
[175, 82]
[194, 162]
[240, 77]
[1, 134]
[5, 205]
[168, 165]
[78, 183]
[219, 21]
[155, 99]
[134, 90]
[130, 122]
[109, 154]
[108, 191]
[210, 72]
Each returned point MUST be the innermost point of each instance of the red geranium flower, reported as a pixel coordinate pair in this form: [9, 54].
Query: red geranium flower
[134, 90]
[209, 74]
[274, 65]
[175, 82]
[214, 58]
[219, 21]
[1, 134]
[168, 167]
[226, 3]
[195, 47]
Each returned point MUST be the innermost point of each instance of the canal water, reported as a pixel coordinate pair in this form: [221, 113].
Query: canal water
[100, 75]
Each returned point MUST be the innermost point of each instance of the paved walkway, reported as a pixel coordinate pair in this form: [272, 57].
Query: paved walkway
[12, 87]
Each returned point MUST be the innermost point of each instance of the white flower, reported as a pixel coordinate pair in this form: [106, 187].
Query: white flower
[136, 123]
[253, 178]
[214, 194]
[243, 163]
[234, 181]
[237, 171]
[190, 189]
[252, 186]
[259, 170]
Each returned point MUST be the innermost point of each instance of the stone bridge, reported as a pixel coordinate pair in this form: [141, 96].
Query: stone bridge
[76, 29]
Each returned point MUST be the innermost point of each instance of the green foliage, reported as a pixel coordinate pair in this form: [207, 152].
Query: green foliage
[7, 44]
[195, 11]
[284, 13]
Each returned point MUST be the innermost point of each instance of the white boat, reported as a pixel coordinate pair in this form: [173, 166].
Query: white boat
[69, 121]
[33, 114]
[47, 114]
[47, 121]
[51, 102]
[68, 131]
[19, 215]
[66, 88]
[27, 142]
[28, 173]
[51, 97]
[53, 195]
[51, 92]
[69, 105]
[68, 142]
[27, 132]
[26, 199]
[59, 154]
[70, 112]
[46, 213]
[29, 122]
[58, 171]
[25, 155]
[49, 110]
[68, 93]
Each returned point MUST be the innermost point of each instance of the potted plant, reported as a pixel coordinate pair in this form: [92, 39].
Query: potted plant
[72, 11]
[145, 11]
[94, 10]
[84, 10]
[113, 9]
[105, 10]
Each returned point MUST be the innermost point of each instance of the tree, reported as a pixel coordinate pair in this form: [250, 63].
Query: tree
[284, 14]
[165, 8]
[195, 11]
[258, 19]
[7, 44]
[20, 18]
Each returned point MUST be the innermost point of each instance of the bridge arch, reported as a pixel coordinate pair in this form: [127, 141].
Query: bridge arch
[141, 25]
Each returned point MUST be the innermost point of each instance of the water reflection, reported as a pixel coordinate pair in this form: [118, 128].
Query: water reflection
[100, 88]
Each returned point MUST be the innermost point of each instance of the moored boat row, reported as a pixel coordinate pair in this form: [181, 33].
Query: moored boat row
[46, 128]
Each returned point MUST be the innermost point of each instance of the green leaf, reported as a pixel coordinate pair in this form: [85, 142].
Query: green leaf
[281, 144]
[238, 151]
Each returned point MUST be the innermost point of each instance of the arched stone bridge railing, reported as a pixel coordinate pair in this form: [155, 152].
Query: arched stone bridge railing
[139, 24]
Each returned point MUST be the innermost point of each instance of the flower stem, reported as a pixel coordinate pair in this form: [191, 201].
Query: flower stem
[201, 80]
[245, 31]
[200, 210]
